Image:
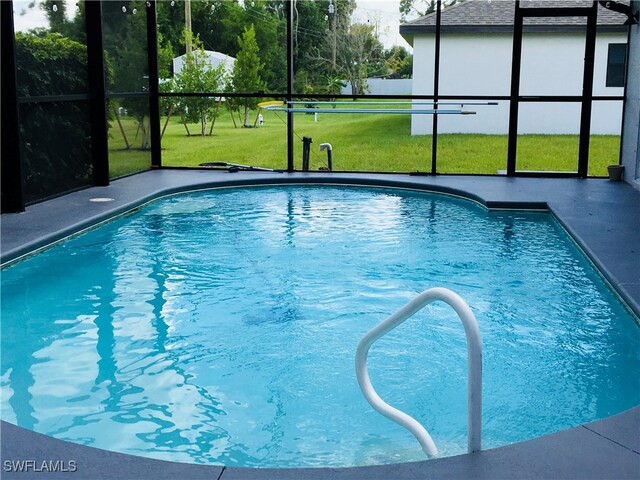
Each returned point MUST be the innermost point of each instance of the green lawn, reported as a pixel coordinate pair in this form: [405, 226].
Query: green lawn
[123, 160]
[360, 143]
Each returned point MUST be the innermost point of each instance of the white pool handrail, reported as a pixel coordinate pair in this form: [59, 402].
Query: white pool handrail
[474, 362]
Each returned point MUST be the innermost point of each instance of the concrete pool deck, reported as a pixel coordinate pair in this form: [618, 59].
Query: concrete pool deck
[602, 216]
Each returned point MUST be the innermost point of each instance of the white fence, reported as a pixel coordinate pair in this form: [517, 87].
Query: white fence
[382, 86]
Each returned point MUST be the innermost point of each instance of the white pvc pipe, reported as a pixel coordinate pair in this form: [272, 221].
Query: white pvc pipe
[474, 360]
[397, 111]
[392, 102]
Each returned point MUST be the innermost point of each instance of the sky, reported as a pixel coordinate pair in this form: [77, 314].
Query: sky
[25, 18]
[385, 14]
[382, 13]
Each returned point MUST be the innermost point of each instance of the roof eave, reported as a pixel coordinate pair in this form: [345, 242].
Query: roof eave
[408, 37]
[409, 31]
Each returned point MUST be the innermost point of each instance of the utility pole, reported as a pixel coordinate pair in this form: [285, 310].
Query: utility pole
[187, 24]
[332, 14]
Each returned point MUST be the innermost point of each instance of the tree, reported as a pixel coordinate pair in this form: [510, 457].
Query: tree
[246, 73]
[198, 75]
[170, 22]
[55, 138]
[399, 62]
[316, 34]
[56, 12]
[357, 52]
[218, 23]
[165, 57]
[271, 36]
[308, 33]
[333, 85]
[422, 7]
[124, 41]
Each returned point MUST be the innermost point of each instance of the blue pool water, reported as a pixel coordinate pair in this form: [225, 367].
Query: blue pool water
[220, 327]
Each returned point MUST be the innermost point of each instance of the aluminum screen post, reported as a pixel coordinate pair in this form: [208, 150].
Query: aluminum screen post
[11, 166]
[98, 98]
[306, 150]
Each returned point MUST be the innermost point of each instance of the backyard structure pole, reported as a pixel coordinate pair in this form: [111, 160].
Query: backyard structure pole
[154, 87]
[306, 150]
[334, 40]
[436, 87]
[516, 59]
[97, 99]
[587, 92]
[290, 131]
[12, 193]
[187, 24]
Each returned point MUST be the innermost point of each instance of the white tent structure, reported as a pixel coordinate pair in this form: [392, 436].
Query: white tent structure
[213, 58]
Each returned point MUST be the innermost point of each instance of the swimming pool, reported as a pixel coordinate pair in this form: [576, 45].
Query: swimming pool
[136, 359]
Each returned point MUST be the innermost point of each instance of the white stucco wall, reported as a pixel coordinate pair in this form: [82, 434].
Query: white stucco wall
[214, 59]
[552, 64]
[383, 86]
[631, 134]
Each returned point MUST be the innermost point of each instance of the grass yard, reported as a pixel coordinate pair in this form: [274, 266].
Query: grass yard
[123, 160]
[360, 143]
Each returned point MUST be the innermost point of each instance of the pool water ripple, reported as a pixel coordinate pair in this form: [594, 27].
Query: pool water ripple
[220, 327]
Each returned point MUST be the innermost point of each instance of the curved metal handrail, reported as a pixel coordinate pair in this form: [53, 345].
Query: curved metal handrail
[474, 360]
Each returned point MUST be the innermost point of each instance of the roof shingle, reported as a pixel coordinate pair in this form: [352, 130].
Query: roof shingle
[494, 16]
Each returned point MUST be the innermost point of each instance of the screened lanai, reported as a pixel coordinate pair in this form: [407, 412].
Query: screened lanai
[100, 89]
[207, 206]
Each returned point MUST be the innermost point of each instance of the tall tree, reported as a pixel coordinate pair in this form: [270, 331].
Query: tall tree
[315, 27]
[57, 16]
[56, 12]
[399, 62]
[246, 73]
[55, 140]
[270, 25]
[422, 7]
[218, 24]
[166, 54]
[125, 41]
[358, 55]
[170, 21]
[198, 75]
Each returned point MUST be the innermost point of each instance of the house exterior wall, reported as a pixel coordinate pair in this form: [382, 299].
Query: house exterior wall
[480, 64]
[214, 59]
[383, 86]
[631, 129]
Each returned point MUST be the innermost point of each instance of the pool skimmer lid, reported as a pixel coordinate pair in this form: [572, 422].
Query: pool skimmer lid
[101, 199]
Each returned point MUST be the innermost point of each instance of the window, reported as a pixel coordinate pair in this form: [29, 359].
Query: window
[616, 63]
